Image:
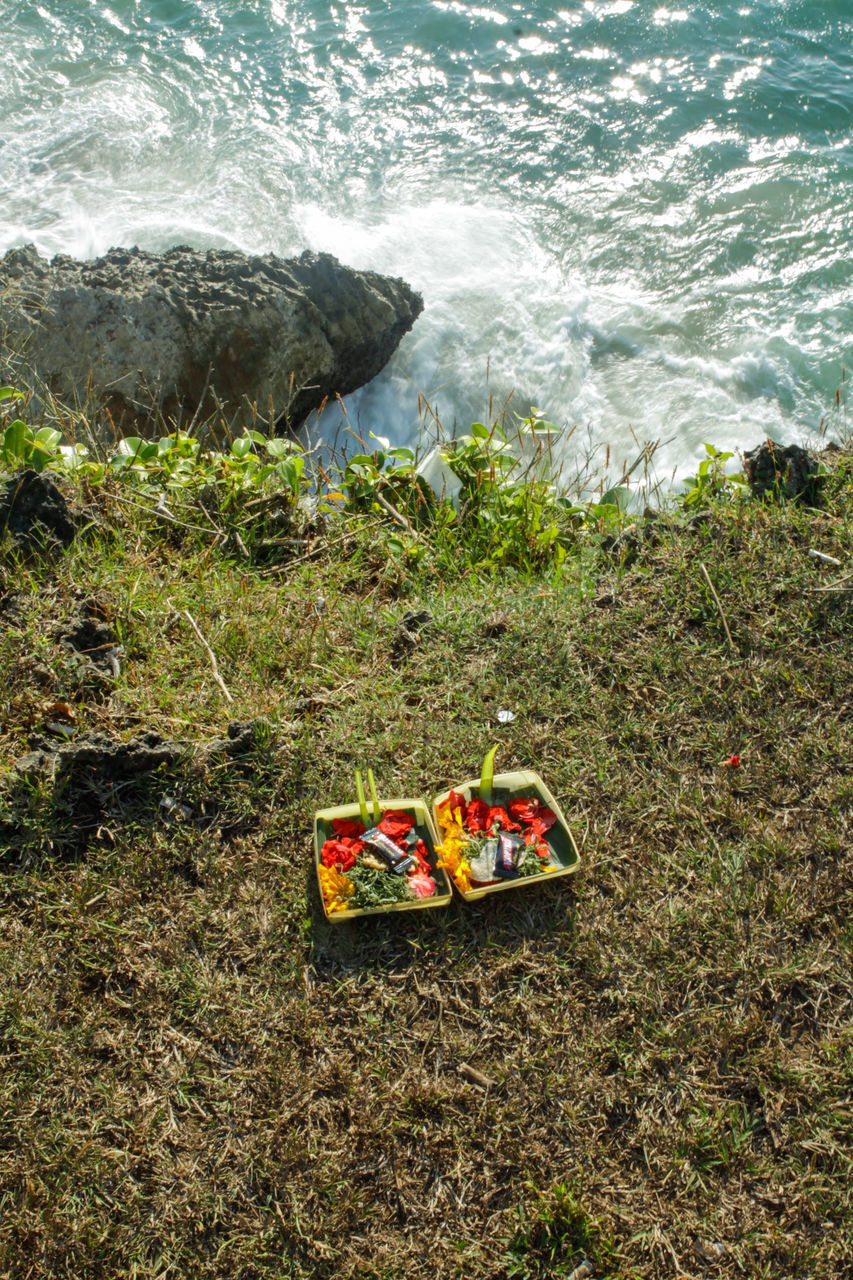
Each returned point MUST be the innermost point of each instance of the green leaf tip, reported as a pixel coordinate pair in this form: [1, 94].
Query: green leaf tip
[362, 802]
[487, 776]
[377, 812]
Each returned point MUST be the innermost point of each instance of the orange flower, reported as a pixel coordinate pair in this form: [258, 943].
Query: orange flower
[337, 889]
[452, 854]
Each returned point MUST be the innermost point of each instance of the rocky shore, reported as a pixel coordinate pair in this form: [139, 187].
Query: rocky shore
[185, 334]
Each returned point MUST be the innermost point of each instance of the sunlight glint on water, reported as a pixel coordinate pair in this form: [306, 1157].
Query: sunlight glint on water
[636, 217]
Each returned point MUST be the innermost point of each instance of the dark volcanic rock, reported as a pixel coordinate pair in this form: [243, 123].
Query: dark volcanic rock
[100, 754]
[244, 737]
[777, 470]
[89, 632]
[33, 510]
[161, 332]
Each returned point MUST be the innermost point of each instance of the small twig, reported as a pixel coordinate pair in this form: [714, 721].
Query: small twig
[309, 555]
[198, 407]
[163, 512]
[719, 606]
[836, 582]
[217, 677]
[395, 514]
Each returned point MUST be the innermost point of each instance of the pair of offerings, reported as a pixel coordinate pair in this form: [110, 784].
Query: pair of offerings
[482, 836]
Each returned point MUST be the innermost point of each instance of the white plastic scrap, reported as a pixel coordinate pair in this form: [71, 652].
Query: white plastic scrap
[438, 475]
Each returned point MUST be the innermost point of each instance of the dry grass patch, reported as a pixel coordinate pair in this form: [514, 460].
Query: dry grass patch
[649, 1066]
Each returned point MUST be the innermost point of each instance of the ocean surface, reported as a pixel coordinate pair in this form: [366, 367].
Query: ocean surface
[637, 218]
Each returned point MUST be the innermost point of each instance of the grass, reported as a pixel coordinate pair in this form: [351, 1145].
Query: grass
[201, 1078]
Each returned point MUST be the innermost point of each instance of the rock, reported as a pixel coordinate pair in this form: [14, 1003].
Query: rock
[244, 737]
[32, 510]
[775, 470]
[33, 765]
[153, 334]
[407, 636]
[625, 547]
[99, 754]
[89, 632]
[699, 519]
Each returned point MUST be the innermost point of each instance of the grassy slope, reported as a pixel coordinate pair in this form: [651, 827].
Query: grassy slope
[201, 1078]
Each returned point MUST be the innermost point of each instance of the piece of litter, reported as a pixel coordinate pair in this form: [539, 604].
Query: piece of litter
[733, 762]
[172, 808]
[60, 730]
[444, 482]
[709, 1251]
[473, 1076]
[823, 557]
[506, 717]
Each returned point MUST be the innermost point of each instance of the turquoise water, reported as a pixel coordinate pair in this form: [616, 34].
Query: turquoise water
[633, 216]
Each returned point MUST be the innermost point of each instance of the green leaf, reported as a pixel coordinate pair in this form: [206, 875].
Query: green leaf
[40, 457]
[48, 437]
[480, 431]
[278, 447]
[290, 472]
[137, 450]
[487, 775]
[371, 782]
[9, 393]
[16, 438]
[362, 802]
[241, 447]
[618, 497]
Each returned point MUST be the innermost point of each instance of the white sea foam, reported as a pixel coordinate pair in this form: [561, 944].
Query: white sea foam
[590, 234]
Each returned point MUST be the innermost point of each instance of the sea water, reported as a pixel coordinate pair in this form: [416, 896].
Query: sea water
[634, 217]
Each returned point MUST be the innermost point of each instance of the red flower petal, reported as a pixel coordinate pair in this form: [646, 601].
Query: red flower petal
[523, 810]
[456, 801]
[499, 815]
[477, 818]
[335, 854]
[543, 821]
[533, 811]
[395, 824]
[421, 856]
[348, 827]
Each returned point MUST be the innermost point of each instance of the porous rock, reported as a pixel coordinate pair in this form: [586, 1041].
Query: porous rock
[775, 470]
[32, 510]
[89, 632]
[109, 758]
[171, 333]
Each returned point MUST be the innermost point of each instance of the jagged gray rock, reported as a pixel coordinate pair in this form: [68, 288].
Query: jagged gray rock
[156, 333]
